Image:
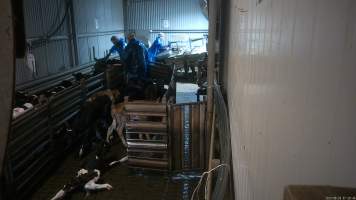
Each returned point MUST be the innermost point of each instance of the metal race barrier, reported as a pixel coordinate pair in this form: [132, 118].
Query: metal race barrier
[147, 135]
[32, 151]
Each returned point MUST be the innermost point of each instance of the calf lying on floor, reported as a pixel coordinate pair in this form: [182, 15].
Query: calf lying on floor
[88, 176]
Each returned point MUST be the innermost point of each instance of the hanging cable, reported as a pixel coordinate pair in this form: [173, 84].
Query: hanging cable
[41, 41]
[202, 178]
[60, 9]
[62, 21]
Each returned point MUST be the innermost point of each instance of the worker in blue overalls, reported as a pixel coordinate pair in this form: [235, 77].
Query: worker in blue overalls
[118, 47]
[135, 58]
[156, 48]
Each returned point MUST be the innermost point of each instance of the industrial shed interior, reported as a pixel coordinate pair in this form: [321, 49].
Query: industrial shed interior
[178, 99]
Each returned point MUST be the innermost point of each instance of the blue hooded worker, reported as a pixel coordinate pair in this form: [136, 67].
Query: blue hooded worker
[135, 57]
[118, 47]
[156, 48]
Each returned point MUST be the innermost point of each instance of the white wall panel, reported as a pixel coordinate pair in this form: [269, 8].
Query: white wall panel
[292, 92]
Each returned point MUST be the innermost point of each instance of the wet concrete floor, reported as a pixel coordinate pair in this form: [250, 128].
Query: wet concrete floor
[128, 184]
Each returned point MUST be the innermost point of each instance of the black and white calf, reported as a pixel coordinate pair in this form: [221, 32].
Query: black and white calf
[88, 176]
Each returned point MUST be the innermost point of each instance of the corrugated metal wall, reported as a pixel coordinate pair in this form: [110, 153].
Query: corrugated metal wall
[51, 57]
[96, 21]
[292, 93]
[180, 20]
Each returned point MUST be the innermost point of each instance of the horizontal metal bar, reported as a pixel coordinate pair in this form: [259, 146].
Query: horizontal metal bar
[49, 81]
[56, 112]
[147, 163]
[15, 142]
[65, 119]
[147, 157]
[45, 82]
[138, 102]
[45, 158]
[146, 145]
[189, 104]
[152, 114]
[148, 132]
[66, 91]
[145, 151]
[76, 94]
[102, 33]
[149, 126]
[54, 38]
[151, 141]
[152, 108]
[91, 92]
[31, 155]
[23, 154]
[179, 31]
[94, 82]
